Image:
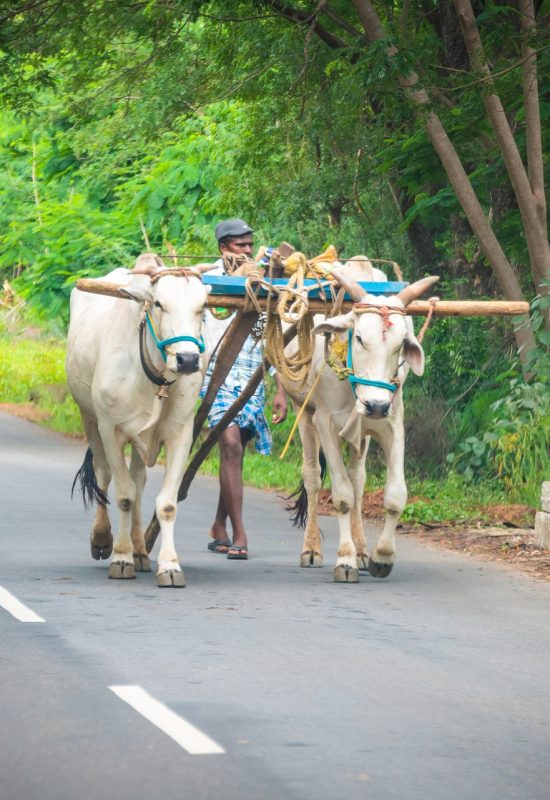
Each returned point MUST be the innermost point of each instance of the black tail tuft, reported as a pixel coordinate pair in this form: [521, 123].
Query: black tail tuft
[88, 483]
[297, 505]
[297, 501]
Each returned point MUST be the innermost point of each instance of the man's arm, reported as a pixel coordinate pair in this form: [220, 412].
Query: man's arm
[280, 402]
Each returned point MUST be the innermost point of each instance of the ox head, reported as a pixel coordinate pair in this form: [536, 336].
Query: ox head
[175, 301]
[380, 340]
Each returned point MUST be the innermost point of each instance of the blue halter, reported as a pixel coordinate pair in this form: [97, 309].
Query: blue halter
[162, 343]
[353, 379]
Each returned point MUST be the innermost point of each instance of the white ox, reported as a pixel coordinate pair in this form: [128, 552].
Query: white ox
[350, 411]
[120, 403]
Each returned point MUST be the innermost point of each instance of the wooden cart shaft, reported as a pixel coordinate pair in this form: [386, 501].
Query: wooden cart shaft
[418, 308]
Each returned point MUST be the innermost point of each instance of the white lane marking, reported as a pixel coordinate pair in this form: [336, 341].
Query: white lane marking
[184, 733]
[16, 608]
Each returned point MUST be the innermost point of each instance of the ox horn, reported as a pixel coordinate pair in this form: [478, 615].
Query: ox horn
[416, 289]
[351, 287]
[147, 264]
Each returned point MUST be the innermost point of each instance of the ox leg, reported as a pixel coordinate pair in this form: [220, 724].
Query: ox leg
[346, 570]
[122, 562]
[357, 475]
[138, 474]
[101, 538]
[169, 571]
[395, 497]
[311, 555]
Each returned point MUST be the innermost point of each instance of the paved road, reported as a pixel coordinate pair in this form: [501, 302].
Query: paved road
[432, 684]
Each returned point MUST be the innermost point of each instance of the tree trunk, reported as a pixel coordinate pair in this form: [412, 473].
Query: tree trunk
[489, 244]
[531, 204]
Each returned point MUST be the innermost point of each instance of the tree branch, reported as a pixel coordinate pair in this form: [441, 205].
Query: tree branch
[299, 17]
[536, 234]
[535, 164]
[342, 23]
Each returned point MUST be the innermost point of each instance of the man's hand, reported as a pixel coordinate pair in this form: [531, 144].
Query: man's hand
[280, 406]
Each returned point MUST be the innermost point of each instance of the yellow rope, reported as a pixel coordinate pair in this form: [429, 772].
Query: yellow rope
[292, 368]
[293, 308]
[432, 301]
[300, 412]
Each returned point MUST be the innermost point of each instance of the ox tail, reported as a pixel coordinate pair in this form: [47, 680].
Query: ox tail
[297, 501]
[88, 483]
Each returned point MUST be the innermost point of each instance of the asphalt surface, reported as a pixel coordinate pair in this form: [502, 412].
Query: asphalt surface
[433, 683]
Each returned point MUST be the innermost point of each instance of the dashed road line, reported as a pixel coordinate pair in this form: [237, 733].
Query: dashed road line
[184, 733]
[16, 608]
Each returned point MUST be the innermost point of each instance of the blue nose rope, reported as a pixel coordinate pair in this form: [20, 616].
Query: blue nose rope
[353, 379]
[163, 343]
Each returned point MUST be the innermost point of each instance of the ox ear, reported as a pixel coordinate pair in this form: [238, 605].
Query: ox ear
[343, 322]
[413, 353]
[138, 288]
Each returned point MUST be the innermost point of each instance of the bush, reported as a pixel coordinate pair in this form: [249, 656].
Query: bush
[515, 447]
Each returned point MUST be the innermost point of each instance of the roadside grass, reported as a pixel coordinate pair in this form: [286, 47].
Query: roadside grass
[452, 500]
[32, 373]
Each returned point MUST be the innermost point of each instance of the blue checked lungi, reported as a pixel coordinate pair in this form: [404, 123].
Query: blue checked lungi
[251, 417]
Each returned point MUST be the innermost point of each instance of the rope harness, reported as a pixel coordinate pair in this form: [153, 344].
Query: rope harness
[334, 351]
[432, 301]
[163, 345]
[385, 312]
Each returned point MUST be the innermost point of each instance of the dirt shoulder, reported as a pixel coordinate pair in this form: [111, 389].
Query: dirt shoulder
[27, 411]
[506, 536]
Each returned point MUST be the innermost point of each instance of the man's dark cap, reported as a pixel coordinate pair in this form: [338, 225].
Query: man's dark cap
[231, 227]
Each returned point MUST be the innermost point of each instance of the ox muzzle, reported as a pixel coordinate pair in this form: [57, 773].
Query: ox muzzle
[376, 409]
[187, 363]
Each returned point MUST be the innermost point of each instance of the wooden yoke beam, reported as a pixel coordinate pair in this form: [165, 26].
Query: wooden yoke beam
[418, 308]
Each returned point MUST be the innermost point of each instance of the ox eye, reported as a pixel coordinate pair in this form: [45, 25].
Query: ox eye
[158, 305]
[358, 338]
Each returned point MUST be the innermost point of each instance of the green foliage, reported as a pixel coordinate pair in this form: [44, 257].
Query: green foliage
[511, 440]
[515, 446]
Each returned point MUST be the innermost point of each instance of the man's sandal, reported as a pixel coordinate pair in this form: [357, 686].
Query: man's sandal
[238, 553]
[216, 544]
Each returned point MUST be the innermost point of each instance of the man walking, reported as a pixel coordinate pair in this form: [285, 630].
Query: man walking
[235, 237]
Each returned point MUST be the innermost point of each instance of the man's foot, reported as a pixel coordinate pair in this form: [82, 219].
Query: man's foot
[238, 553]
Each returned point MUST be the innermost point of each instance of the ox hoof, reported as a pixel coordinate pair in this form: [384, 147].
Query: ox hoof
[311, 558]
[379, 570]
[141, 563]
[121, 570]
[343, 573]
[362, 562]
[172, 577]
[101, 551]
